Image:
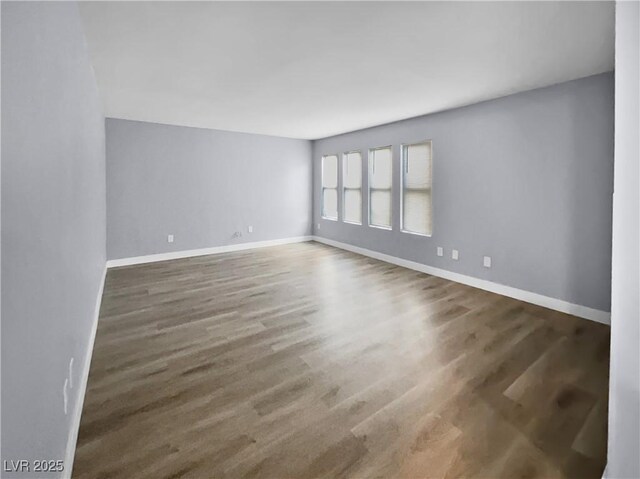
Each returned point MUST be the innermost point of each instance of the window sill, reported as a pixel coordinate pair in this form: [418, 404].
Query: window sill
[417, 234]
[384, 228]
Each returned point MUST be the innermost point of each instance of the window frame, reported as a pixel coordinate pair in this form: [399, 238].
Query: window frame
[322, 187]
[369, 173]
[403, 156]
[344, 156]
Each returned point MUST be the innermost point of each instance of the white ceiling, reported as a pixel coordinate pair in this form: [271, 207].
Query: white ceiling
[315, 69]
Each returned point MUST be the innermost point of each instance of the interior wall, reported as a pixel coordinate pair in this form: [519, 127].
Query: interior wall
[526, 179]
[624, 391]
[53, 224]
[202, 186]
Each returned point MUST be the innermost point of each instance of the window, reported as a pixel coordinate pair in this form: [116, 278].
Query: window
[352, 187]
[380, 174]
[416, 188]
[330, 187]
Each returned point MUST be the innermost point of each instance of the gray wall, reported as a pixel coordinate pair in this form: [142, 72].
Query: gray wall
[624, 390]
[53, 221]
[201, 186]
[526, 179]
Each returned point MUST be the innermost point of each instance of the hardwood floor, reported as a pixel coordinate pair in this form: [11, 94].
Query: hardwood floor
[308, 361]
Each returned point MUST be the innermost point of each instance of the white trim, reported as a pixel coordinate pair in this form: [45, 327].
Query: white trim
[82, 386]
[527, 296]
[152, 258]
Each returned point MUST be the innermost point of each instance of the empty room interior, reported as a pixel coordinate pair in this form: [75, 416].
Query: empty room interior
[294, 240]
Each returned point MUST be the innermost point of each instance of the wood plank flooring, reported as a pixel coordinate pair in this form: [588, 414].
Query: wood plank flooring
[304, 361]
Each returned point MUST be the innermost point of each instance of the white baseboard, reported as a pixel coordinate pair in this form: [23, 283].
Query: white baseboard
[527, 296]
[152, 258]
[76, 414]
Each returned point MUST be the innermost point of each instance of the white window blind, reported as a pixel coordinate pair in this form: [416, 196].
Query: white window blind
[352, 187]
[416, 188]
[380, 175]
[330, 187]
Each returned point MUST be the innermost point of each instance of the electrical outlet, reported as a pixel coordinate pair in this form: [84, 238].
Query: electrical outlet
[318, 225]
[454, 254]
[440, 251]
[65, 395]
[487, 262]
[250, 229]
[169, 238]
[71, 373]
